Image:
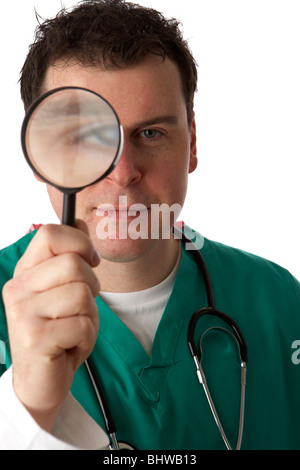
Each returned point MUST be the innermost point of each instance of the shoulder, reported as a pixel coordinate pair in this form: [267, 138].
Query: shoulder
[236, 268]
[240, 260]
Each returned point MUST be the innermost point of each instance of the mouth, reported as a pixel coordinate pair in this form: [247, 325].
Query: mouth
[120, 213]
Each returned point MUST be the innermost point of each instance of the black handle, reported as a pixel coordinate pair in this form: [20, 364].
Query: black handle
[68, 215]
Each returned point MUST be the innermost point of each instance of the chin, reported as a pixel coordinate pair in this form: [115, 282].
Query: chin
[124, 251]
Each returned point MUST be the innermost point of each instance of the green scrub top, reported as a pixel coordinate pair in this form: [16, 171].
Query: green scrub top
[157, 402]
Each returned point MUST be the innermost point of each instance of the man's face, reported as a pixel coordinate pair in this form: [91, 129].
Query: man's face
[159, 146]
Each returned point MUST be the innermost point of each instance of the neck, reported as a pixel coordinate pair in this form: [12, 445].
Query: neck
[140, 272]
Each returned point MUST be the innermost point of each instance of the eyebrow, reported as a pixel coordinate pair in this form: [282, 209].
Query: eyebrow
[173, 120]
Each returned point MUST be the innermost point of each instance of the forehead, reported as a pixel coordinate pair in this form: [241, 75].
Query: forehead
[150, 87]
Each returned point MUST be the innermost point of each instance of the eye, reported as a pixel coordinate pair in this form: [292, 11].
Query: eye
[150, 133]
[104, 135]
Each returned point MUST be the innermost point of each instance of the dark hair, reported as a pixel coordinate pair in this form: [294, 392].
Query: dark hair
[111, 33]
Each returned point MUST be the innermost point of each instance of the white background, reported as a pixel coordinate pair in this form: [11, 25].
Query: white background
[246, 189]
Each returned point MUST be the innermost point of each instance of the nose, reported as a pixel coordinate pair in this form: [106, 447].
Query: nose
[127, 170]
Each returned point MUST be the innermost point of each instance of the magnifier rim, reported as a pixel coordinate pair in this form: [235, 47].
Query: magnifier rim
[29, 112]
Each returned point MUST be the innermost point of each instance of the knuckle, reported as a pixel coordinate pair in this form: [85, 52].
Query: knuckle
[17, 288]
[11, 292]
[46, 232]
[49, 236]
[8, 290]
[15, 311]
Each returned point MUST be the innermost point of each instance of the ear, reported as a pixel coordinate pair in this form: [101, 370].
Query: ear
[193, 147]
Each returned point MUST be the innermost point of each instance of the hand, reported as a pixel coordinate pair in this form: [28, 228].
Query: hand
[52, 317]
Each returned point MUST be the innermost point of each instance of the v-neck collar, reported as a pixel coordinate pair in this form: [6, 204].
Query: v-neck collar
[151, 370]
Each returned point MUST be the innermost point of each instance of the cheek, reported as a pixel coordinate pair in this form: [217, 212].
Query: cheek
[169, 184]
[172, 176]
[179, 187]
[56, 198]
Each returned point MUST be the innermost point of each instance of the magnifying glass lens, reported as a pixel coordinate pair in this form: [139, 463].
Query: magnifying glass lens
[72, 137]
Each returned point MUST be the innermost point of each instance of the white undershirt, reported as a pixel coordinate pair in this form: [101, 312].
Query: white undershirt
[141, 311]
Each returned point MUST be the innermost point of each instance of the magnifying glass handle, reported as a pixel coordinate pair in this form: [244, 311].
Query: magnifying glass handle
[68, 215]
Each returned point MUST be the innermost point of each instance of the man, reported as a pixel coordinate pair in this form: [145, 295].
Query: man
[146, 289]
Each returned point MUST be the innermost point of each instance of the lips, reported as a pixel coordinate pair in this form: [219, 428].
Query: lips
[120, 213]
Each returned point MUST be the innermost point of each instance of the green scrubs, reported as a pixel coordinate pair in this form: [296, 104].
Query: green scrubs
[157, 402]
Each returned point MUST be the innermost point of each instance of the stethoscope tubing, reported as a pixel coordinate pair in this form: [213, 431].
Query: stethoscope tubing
[108, 419]
[197, 354]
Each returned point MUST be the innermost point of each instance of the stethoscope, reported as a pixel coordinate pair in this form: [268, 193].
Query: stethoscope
[197, 357]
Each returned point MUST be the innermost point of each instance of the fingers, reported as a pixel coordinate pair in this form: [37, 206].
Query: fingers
[76, 343]
[59, 319]
[53, 240]
[56, 256]
[55, 272]
[64, 301]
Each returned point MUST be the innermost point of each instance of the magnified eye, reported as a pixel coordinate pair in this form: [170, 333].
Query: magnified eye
[106, 136]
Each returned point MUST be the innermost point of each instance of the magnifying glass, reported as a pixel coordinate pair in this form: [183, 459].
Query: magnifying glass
[71, 138]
